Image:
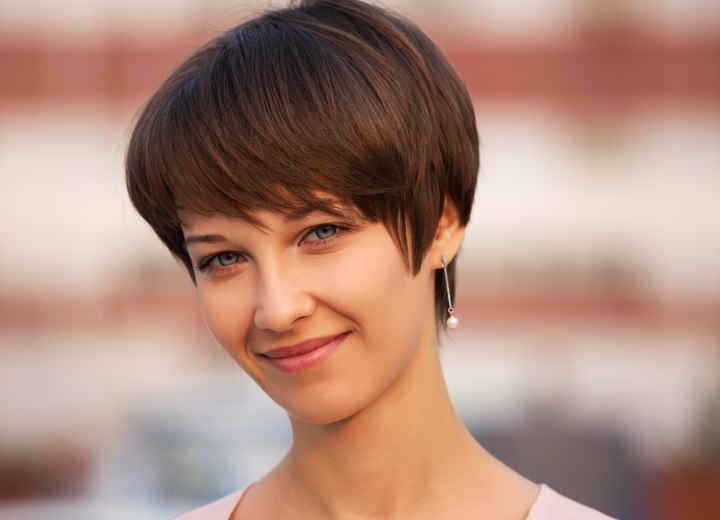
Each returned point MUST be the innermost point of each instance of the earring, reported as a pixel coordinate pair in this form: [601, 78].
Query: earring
[452, 321]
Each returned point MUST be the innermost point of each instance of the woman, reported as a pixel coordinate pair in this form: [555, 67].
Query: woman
[314, 170]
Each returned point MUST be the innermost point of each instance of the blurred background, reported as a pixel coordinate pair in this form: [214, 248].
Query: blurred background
[588, 355]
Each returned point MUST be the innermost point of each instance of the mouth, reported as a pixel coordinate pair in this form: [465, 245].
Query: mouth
[304, 355]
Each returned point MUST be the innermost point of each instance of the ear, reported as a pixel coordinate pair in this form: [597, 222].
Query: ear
[448, 236]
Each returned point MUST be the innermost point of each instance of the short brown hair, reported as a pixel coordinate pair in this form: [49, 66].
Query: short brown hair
[324, 97]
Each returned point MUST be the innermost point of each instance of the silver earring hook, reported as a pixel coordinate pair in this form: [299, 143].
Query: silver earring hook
[452, 321]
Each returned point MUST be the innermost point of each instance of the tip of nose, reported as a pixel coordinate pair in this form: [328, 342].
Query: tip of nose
[282, 319]
[281, 297]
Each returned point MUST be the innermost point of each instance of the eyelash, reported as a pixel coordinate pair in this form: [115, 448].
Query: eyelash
[340, 231]
[206, 264]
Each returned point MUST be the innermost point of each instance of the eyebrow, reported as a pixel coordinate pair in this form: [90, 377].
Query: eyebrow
[297, 215]
[333, 210]
[203, 239]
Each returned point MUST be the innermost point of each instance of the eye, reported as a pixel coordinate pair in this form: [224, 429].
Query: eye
[324, 231]
[323, 236]
[220, 263]
[226, 259]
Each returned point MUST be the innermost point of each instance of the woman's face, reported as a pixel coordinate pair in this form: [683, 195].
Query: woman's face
[320, 311]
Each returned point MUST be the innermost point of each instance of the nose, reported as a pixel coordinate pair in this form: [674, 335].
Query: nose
[282, 298]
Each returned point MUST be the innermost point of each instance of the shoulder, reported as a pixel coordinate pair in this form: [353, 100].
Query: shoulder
[219, 510]
[550, 505]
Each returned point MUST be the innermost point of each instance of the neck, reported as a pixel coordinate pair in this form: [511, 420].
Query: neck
[408, 444]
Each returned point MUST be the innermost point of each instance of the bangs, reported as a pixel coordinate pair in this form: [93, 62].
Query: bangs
[277, 116]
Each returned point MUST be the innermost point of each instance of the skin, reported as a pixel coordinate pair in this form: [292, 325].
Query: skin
[374, 433]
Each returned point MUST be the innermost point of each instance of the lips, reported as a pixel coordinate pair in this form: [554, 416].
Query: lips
[304, 355]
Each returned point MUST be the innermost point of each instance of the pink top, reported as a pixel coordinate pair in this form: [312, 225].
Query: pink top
[549, 505]
[219, 510]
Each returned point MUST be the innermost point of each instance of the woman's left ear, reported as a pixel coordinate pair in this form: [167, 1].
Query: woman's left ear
[448, 236]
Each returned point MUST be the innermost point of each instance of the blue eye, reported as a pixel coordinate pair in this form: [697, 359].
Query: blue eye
[325, 231]
[226, 259]
[220, 263]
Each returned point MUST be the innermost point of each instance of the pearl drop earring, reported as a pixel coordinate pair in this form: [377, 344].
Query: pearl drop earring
[452, 321]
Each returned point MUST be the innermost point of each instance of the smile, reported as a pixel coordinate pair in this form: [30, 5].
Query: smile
[304, 355]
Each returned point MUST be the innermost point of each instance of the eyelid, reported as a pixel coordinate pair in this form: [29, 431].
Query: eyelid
[205, 261]
[341, 229]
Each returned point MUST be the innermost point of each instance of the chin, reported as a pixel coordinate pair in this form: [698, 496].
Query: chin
[325, 411]
[317, 417]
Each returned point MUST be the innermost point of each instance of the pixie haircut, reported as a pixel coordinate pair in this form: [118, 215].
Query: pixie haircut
[326, 98]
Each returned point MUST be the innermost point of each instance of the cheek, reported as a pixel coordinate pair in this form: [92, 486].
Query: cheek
[375, 290]
[227, 316]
